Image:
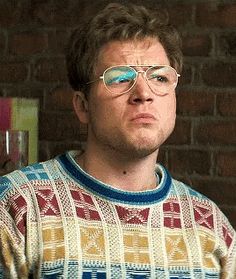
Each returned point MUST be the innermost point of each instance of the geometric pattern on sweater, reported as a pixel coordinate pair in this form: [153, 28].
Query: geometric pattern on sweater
[46, 200]
[172, 218]
[84, 205]
[203, 215]
[176, 249]
[35, 172]
[53, 242]
[132, 216]
[92, 243]
[53, 225]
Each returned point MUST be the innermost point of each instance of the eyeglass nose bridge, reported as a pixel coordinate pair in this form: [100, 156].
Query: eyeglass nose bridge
[144, 72]
[140, 72]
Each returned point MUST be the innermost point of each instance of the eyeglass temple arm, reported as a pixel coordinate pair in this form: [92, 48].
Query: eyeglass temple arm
[92, 81]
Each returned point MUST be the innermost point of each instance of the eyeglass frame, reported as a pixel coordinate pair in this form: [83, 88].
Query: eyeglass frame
[137, 72]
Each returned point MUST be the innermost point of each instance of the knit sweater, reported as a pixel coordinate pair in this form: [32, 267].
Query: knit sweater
[57, 221]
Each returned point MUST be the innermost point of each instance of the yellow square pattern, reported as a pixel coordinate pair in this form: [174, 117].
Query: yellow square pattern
[208, 245]
[53, 243]
[176, 249]
[136, 248]
[92, 242]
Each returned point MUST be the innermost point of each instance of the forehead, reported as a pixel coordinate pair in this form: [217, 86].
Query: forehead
[147, 51]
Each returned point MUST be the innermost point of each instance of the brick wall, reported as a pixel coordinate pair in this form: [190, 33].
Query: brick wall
[202, 149]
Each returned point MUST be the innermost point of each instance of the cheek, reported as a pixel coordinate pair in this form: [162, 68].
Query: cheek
[167, 114]
[167, 108]
[105, 112]
[173, 107]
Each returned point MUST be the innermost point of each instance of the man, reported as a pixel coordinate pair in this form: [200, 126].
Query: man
[110, 211]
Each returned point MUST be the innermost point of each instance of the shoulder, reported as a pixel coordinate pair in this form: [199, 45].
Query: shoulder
[16, 182]
[200, 203]
[204, 212]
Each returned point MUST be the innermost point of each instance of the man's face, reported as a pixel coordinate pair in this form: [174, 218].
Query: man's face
[136, 123]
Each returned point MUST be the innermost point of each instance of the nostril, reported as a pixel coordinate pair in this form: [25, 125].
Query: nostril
[137, 100]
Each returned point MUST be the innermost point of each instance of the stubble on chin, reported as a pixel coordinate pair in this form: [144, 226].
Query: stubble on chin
[132, 148]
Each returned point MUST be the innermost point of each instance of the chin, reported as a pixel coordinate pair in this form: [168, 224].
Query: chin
[143, 152]
[139, 149]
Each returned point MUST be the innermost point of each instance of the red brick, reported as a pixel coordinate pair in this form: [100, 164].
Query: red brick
[222, 191]
[8, 14]
[63, 146]
[13, 72]
[226, 104]
[52, 13]
[57, 126]
[181, 133]
[189, 161]
[227, 44]
[78, 11]
[84, 9]
[51, 149]
[213, 14]
[186, 75]
[57, 41]
[5, 13]
[219, 74]
[195, 103]
[50, 70]
[180, 14]
[226, 163]
[215, 132]
[2, 43]
[14, 12]
[197, 45]
[60, 99]
[28, 43]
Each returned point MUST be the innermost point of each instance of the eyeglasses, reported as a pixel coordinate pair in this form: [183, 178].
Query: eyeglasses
[122, 78]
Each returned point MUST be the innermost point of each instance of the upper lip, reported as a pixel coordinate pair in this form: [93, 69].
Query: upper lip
[143, 115]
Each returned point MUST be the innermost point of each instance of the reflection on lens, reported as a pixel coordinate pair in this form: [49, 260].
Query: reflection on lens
[119, 79]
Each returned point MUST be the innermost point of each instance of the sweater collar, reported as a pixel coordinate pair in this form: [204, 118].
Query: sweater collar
[108, 192]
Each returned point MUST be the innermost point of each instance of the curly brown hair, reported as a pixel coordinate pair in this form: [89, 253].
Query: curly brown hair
[118, 22]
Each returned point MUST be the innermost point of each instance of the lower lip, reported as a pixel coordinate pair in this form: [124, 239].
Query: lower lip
[144, 120]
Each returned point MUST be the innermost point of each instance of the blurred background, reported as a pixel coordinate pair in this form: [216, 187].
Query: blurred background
[202, 149]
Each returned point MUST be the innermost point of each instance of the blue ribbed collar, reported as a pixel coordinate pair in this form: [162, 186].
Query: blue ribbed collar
[108, 192]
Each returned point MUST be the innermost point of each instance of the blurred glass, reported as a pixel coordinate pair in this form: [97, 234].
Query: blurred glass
[13, 150]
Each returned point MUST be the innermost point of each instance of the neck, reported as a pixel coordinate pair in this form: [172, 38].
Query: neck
[120, 171]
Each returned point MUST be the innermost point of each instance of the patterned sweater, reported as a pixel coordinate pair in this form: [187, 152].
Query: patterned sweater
[56, 221]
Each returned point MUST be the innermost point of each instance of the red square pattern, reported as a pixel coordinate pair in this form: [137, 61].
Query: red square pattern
[171, 212]
[227, 236]
[203, 215]
[132, 215]
[47, 202]
[18, 210]
[85, 207]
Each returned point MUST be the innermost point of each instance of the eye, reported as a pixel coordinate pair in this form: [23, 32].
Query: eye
[122, 79]
[119, 77]
[158, 78]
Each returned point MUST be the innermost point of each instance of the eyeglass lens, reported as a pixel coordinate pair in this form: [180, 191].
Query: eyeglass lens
[120, 79]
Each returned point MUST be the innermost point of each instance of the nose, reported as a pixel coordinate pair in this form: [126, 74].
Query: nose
[141, 92]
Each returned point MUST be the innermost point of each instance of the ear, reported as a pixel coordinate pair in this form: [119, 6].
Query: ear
[80, 104]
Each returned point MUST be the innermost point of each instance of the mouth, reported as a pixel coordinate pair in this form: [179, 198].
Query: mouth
[143, 118]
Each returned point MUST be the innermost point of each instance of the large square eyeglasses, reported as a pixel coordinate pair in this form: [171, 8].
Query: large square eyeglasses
[121, 79]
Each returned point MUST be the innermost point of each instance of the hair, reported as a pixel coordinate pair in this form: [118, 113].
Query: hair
[123, 23]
